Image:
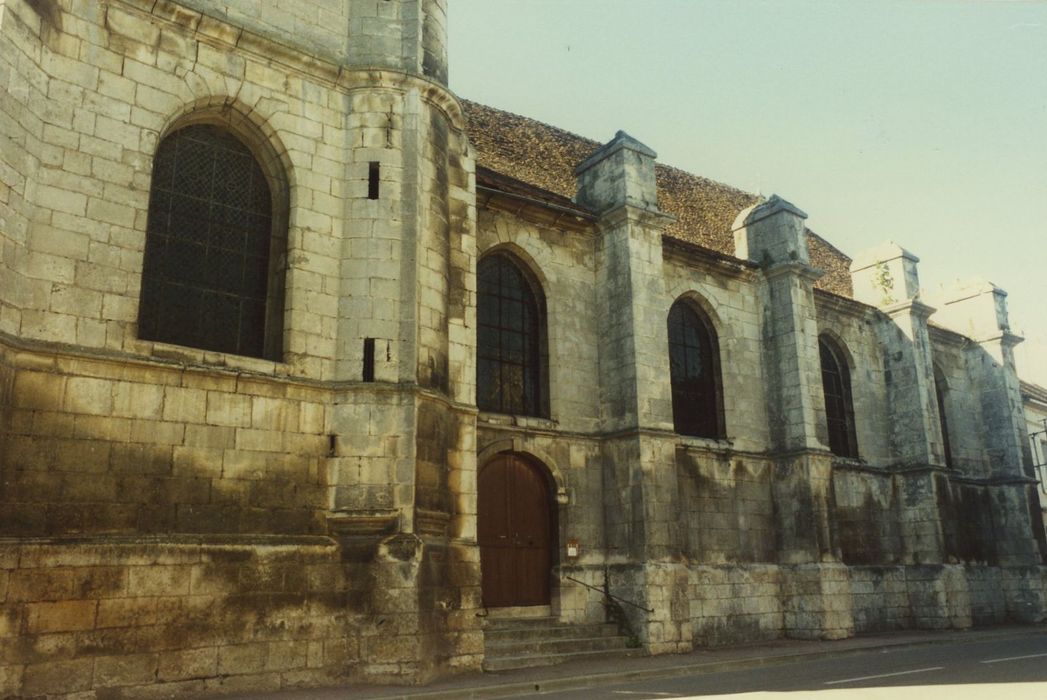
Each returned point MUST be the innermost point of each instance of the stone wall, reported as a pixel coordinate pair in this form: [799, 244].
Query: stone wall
[962, 405]
[967, 522]
[728, 295]
[726, 508]
[94, 445]
[866, 517]
[564, 267]
[356, 32]
[318, 26]
[881, 599]
[705, 551]
[854, 328]
[115, 79]
[731, 604]
[193, 492]
[189, 615]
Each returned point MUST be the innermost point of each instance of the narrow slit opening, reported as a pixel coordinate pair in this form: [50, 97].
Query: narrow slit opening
[368, 359]
[373, 173]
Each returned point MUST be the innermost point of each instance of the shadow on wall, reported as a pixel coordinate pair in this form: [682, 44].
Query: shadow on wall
[171, 452]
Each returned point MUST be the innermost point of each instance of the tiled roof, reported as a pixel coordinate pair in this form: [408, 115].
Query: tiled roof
[545, 156]
[837, 266]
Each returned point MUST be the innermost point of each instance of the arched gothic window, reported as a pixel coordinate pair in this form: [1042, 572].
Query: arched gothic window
[694, 371]
[940, 387]
[207, 278]
[510, 336]
[839, 408]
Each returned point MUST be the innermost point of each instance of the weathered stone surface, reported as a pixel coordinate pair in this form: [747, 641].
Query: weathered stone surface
[181, 520]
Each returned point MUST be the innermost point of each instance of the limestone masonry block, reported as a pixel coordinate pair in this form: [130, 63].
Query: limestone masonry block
[771, 232]
[619, 172]
[885, 275]
[974, 307]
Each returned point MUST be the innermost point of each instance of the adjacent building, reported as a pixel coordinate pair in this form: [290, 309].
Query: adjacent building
[1034, 397]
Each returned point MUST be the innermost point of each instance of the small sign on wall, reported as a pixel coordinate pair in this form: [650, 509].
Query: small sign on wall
[573, 549]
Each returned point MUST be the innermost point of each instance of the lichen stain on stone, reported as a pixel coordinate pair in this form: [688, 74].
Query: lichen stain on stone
[401, 548]
[726, 510]
[437, 433]
[967, 524]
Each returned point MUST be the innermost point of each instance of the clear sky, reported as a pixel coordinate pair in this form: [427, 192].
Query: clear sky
[918, 121]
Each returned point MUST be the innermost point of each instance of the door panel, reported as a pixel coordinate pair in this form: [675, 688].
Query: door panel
[514, 533]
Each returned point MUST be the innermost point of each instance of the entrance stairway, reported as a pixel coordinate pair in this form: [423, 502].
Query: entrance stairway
[526, 642]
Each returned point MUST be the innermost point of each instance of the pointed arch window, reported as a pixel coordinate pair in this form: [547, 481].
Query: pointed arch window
[510, 366]
[208, 278]
[694, 370]
[940, 388]
[839, 407]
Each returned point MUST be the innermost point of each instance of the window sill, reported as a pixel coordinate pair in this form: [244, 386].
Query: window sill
[210, 358]
[533, 422]
[705, 443]
[855, 463]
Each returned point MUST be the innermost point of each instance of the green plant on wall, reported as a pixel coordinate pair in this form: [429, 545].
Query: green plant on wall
[885, 283]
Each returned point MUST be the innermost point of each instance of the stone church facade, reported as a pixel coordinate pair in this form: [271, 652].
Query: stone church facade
[306, 365]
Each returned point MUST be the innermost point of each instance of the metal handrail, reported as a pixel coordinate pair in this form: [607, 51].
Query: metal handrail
[608, 594]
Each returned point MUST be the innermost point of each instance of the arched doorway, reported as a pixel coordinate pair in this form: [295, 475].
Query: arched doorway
[515, 531]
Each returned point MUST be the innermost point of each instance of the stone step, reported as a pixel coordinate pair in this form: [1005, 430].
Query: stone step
[507, 663]
[499, 622]
[511, 643]
[539, 612]
[565, 645]
[558, 631]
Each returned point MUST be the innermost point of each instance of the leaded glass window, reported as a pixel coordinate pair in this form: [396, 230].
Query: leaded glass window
[509, 371]
[839, 408]
[205, 277]
[694, 369]
[943, 422]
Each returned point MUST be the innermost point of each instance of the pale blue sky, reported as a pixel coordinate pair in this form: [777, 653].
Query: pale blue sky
[922, 122]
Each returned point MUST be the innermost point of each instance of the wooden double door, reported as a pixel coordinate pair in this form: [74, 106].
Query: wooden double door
[515, 530]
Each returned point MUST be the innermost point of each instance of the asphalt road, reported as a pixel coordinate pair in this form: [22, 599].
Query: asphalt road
[1004, 668]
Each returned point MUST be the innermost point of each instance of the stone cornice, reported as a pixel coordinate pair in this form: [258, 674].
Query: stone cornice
[1005, 338]
[705, 259]
[947, 336]
[795, 268]
[631, 214]
[844, 305]
[910, 306]
[533, 210]
[993, 480]
[45, 356]
[224, 541]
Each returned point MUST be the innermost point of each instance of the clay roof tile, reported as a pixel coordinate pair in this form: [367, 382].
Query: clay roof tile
[545, 156]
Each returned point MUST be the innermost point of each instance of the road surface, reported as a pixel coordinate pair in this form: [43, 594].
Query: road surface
[1002, 668]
